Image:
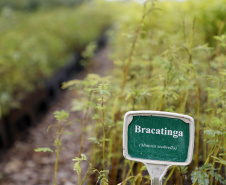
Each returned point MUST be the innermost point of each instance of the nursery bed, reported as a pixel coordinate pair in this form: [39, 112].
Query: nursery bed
[20, 165]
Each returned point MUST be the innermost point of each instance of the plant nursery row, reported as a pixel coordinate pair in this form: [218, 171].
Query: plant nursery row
[168, 56]
[35, 45]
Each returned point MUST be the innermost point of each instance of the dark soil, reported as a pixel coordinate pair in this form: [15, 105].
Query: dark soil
[20, 165]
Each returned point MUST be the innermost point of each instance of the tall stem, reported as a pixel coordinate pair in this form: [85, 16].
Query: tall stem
[171, 173]
[197, 123]
[129, 172]
[84, 124]
[197, 99]
[126, 71]
[58, 151]
[83, 131]
[214, 160]
[104, 134]
[182, 177]
[215, 148]
[189, 50]
[216, 181]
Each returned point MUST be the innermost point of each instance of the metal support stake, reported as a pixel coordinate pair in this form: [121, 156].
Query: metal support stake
[157, 172]
[156, 181]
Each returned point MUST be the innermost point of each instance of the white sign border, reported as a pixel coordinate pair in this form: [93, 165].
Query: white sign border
[187, 119]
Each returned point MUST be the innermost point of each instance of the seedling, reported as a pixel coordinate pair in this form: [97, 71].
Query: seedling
[61, 117]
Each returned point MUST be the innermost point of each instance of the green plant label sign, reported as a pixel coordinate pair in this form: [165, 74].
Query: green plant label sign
[152, 136]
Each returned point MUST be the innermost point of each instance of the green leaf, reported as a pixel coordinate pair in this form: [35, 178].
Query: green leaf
[219, 160]
[43, 150]
[68, 133]
[95, 140]
[50, 126]
[61, 115]
[96, 116]
[83, 157]
[99, 107]
[79, 105]
[70, 83]
[70, 122]
[143, 168]
[212, 142]
[101, 91]
[107, 92]
[77, 167]
[206, 166]
[56, 142]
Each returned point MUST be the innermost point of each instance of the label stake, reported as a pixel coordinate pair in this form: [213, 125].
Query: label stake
[157, 172]
[159, 140]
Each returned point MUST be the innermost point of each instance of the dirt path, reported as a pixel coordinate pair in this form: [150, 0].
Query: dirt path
[22, 166]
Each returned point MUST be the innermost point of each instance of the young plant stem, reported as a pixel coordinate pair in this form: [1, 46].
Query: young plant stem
[209, 156]
[198, 116]
[182, 177]
[95, 152]
[189, 50]
[204, 147]
[206, 162]
[83, 132]
[87, 175]
[165, 83]
[124, 170]
[84, 124]
[58, 151]
[139, 179]
[126, 71]
[218, 46]
[109, 151]
[214, 160]
[177, 178]
[161, 103]
[184, 96]
[130, 171]
[131, 53]
[79, 178]
[103, 125]
[216, 181]
[169, 176]
[224, 156]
